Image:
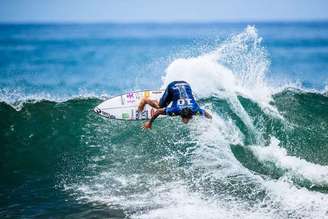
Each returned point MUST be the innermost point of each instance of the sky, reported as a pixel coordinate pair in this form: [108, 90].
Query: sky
[162, 11]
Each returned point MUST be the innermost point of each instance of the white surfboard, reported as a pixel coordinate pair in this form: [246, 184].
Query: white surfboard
[125, 106]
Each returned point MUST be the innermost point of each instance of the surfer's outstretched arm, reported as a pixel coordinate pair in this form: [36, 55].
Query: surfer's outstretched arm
[149, 123]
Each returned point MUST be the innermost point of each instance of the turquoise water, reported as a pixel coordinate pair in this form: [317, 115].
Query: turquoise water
[264, 154]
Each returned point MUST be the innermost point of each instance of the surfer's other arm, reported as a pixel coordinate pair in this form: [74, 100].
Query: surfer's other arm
[149, 123]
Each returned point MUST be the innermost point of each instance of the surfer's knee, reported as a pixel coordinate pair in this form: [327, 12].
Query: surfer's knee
[142, 104]
[156, 104]
[145, 101]
[153, 103]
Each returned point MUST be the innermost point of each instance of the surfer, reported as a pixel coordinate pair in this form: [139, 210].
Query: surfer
[183, 103]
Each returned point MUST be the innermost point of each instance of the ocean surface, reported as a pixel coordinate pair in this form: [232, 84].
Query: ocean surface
[263, 155]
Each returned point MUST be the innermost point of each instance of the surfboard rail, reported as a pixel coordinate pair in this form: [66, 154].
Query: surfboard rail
[125, 106]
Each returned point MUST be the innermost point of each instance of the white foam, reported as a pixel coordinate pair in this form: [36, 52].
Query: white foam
[177, 202]
[287, 200]
[206, 76]
[238, 66]
[283, 199]
[294, 166]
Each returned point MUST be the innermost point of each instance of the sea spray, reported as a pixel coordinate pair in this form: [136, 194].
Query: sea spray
[236, 67]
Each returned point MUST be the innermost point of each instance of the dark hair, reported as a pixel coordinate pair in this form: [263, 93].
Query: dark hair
[186, 113]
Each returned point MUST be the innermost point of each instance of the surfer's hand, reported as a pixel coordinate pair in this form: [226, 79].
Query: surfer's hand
[147, 125]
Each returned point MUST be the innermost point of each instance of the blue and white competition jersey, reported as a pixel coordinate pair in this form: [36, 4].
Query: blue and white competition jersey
[180, 94]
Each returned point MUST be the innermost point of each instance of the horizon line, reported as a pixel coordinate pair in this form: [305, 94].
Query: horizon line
[167, 22]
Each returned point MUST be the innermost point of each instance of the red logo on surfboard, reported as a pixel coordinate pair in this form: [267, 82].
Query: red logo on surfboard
[152, 112]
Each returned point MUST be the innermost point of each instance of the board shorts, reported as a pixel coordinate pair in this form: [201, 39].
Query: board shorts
[167, 97]
[180, 94]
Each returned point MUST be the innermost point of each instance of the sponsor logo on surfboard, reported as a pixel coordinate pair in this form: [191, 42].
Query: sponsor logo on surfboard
[146, 93]
[142, 115]
[130, 97]
[125, 115]
[97, 110]
[156, 92]
[152, 112]
[105, 114]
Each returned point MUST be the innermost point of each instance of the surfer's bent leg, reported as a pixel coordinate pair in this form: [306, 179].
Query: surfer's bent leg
[163, 102]
[144, 101]
[167, 97]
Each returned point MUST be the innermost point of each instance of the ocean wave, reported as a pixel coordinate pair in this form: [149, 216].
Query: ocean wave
[203, 169]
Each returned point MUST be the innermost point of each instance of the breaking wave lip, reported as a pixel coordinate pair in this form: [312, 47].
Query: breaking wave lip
[293, 166]
[17, 98]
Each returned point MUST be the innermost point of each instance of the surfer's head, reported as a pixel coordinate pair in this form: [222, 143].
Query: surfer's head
[186, 115]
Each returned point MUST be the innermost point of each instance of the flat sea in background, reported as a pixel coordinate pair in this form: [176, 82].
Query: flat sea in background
[63, 59]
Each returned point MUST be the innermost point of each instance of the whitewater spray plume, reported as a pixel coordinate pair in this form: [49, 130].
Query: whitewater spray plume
[236, 67]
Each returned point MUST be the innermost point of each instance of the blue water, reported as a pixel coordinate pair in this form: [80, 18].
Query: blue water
[263, 155]
[68, 59]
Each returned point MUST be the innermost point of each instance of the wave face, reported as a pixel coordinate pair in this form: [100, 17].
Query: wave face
[263, 155]
[202, 170]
